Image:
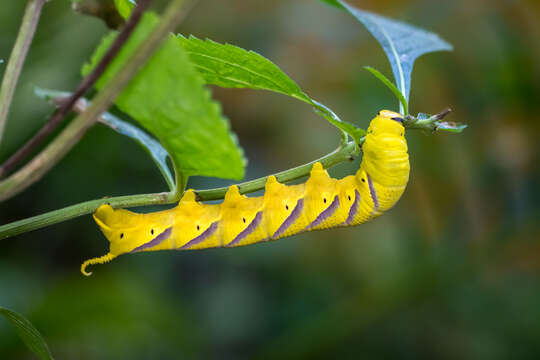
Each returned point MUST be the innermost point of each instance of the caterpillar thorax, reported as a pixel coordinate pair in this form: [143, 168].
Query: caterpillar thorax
[319, 203]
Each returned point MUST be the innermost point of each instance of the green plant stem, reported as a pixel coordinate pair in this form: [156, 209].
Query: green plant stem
[18, 227]
[16, 59]
[56, 150]
[88, 207]
[343, 153]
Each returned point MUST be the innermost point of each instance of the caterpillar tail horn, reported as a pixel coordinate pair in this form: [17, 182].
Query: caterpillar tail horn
[99, 260]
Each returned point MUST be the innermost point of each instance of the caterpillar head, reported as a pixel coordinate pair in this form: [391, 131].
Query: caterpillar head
[387, 122]
[128, 232]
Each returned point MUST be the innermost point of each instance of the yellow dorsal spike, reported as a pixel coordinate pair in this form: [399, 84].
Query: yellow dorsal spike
[104, 210]
[272, 184]
[189, 196]
[318, 168]
[99, 260]
[271, 180]
[233, 194]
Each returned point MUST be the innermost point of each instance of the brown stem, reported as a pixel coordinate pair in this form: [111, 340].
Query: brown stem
[66, 105]
[38, 166]
[442, 114]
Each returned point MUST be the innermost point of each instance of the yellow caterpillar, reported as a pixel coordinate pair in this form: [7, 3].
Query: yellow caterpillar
[320, 203]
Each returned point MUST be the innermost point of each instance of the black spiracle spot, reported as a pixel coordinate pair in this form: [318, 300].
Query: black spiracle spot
[244, 220]
[324, 200]
[198, 227]
[349, 197]
[121, 235]
[286, 207]
[152, 232]
[363, 180]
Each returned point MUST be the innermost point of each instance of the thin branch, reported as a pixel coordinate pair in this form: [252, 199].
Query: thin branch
[66, 105]
[341, 154]
[88, 207]
[17, 58]
[18, 227]
[56, 150]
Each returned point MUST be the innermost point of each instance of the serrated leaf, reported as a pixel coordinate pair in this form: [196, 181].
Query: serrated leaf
[230, 66]
[402, 43]
[169, 99]
[124, 7]
[391, 86]
[28, 333]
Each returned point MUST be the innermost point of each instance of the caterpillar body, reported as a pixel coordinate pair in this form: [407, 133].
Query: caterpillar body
[320, 203]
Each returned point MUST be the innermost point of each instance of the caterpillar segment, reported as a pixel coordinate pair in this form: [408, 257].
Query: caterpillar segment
[320, 203]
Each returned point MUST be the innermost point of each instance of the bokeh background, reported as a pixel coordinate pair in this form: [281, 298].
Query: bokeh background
[452, 272]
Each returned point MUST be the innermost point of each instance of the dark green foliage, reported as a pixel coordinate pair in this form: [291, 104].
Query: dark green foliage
[28, 333]
[169, 99]
[233, 67]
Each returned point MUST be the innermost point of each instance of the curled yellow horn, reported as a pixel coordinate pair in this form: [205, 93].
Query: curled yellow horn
[99, 260]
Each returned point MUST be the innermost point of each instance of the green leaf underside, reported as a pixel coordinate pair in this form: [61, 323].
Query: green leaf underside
[391, 86]
[355, 132]
[402, 43]
[169, 99]
[154, 148]
[230, 66]
[28, 333]
[124, 7]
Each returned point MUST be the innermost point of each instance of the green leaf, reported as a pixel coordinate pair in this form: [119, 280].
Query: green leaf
[154, 148]
[402, 43]
[106, 10]
[450, 126]
[355, 132]
[230, 66]
[124, 7]
[333, 3]
[50, 95]
[391, 86]
[28, 333]
[169, 99]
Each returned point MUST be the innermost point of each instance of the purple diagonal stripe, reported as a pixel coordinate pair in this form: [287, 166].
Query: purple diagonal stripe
[372, 192]
[248, 230]
[329, 211]
[155, 241]
[290, 219]
[205, 235]
[354, 208]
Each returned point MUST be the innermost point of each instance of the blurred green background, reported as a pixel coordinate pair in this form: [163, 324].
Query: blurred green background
[452, 272]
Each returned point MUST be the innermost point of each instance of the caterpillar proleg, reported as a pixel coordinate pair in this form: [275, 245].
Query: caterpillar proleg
[320, 203]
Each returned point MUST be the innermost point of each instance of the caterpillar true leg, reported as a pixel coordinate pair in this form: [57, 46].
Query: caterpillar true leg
[320, 203]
